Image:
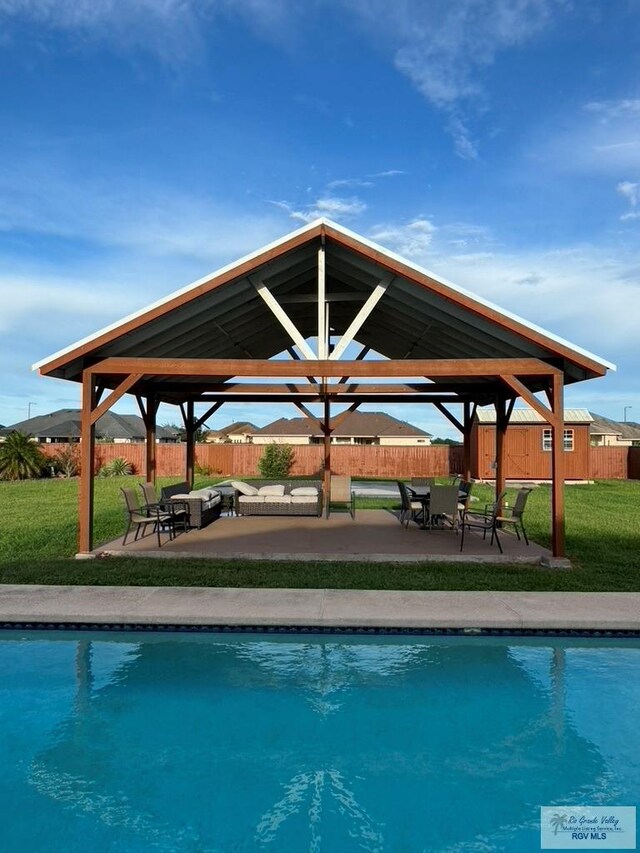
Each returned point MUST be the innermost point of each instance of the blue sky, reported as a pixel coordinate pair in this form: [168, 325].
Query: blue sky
[145, 143]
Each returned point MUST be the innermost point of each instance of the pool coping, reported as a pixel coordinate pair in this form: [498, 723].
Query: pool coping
[310, 609]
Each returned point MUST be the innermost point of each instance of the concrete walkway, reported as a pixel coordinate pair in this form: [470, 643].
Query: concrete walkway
[318, 607]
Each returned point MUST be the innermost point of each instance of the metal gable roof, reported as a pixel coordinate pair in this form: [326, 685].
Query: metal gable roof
[530, 416]
[420, 316]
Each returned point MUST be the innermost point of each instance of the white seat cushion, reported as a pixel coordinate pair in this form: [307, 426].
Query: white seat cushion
[204, 494]
[304, 499]
[251, 499]
[277, 499]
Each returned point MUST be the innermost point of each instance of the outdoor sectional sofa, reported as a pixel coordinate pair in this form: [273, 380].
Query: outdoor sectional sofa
[204, 504]
[292, 497]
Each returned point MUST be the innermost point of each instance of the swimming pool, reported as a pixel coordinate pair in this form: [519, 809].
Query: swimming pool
[288, 743]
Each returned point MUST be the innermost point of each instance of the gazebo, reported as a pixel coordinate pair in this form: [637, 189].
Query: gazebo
[288, 313]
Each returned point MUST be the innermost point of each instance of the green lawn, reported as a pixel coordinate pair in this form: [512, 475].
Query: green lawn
[38, 533]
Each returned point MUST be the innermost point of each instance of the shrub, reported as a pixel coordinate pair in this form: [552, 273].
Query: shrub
[118, 467]
[67, 460]
[20, 457]
[276, 461]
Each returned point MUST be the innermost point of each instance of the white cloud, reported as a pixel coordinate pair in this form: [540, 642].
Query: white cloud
[332, 207]
[443, 46]
[351, 183]
[389, 173]
[630, 191]
[411, 239]
[166, 28]
[464, 146]
[601, 138]
[548, 288]
[365, 182]
[170, 30]
[38, 200]
[614, 109]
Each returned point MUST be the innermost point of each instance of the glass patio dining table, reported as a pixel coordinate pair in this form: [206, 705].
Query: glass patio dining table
[422, 494]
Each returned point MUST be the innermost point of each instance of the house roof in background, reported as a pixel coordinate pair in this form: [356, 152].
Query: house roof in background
[487, 415]
[237, 426]
[65, 423]
[356, 424]
[606, 426]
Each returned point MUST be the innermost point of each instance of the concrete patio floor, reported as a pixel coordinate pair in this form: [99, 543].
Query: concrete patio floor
[374, 536]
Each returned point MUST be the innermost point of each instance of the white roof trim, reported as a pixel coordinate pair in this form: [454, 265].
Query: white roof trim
[376, 247]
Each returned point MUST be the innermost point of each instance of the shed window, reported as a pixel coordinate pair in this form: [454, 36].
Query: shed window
[547, 439]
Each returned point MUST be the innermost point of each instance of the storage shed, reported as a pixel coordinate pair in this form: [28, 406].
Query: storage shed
[528, 445]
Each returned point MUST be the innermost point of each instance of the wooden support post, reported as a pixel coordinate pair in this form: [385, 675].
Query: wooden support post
[150, 424]
[467, 423]
[323, 341]
[87, 464]
[327, 456]
[190, 436]
[501, 428]
[557, 468]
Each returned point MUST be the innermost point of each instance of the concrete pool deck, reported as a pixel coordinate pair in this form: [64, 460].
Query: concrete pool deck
[321, 608]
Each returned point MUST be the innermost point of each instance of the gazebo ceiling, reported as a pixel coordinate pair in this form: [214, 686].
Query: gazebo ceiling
[224, 316]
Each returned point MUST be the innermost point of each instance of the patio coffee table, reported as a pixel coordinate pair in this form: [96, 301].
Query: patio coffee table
[227, 503]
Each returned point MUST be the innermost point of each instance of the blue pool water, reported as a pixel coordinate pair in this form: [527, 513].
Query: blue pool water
[292, 743]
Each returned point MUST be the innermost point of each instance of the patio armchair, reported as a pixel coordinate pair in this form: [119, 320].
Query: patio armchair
[410, 510]
[342, 493]
[140, 517]
[513, 515]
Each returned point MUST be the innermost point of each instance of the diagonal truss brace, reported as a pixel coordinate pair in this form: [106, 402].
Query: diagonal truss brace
[282, 317]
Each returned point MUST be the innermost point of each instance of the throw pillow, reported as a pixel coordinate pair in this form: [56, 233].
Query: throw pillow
[244, 488]
[277, 490]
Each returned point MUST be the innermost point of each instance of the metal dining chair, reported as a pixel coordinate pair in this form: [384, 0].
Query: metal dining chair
[140, 517]
[410, 510]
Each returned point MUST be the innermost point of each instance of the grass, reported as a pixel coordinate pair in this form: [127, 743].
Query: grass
[38, 533]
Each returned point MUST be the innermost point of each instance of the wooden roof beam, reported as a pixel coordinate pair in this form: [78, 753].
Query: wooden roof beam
[229, 367]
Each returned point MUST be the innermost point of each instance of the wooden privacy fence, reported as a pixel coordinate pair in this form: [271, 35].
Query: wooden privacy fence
[605, 463]
[614, 463]
[242, 459]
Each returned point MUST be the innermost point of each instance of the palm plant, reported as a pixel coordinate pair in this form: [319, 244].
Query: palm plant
[118, 467]
[20, 457]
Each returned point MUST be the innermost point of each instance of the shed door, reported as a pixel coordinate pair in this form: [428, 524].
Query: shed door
[516, 453]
